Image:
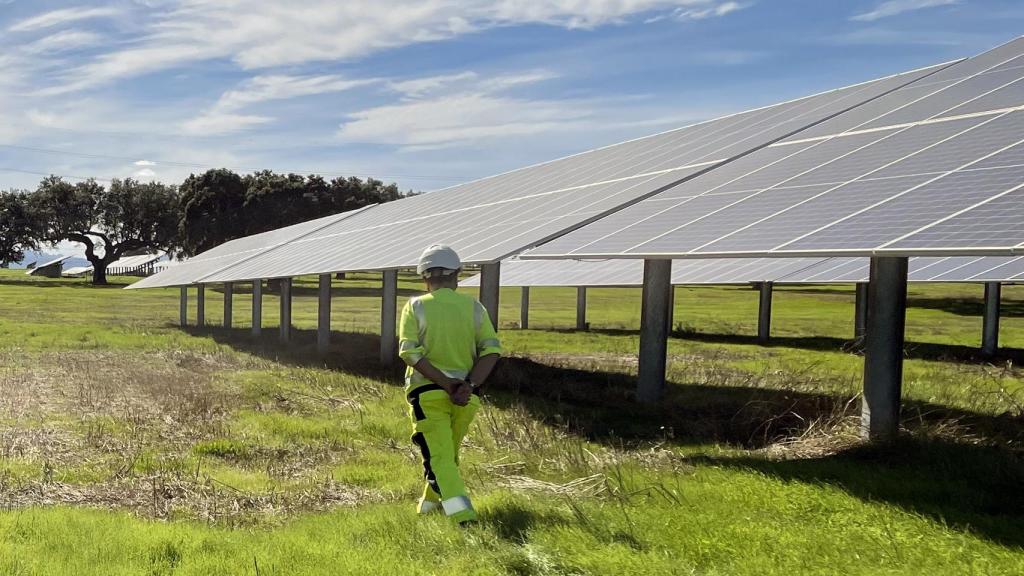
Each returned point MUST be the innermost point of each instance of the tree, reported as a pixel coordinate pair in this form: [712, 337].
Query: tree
[219, 205]
[128, 217]
[211, 210]
[275, 201]
[15, 228]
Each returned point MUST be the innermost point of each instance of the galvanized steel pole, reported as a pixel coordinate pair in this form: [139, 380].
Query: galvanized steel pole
[990, 321]
[672, 309]
[285, 326]
[183, 307]
[581, 308]
[257, 308]
[229, 293]
[388, 316]
[524, 309]
[860, 310]
[654, 330]
[883, 352]
[323, 325]
[490, 289]
[200, 306]
[764, 313]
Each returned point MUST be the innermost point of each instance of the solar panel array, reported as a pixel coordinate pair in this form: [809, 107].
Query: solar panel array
[611, 273]
[195, 269]
[490, 219]
[132, 263]
[936, 166]
[32, 271]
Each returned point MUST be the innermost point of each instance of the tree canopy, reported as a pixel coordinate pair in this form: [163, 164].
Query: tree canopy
[130, 217]
[219, 205]
[16, 232]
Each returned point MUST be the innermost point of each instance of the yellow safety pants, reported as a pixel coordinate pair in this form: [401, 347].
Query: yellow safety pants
[438, 429]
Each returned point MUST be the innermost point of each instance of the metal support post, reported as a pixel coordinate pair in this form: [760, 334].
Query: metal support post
[388, 316]
[229, 293]
[860, 311]
[490, 289]
[323, 325]
[581, 308]
[524, 309]
[654, 330]
[990, 322]
[183, 307]
[285, 326]
[257, 308]
[200, 306]
[764, 313]
[883, 352]
[671, 309]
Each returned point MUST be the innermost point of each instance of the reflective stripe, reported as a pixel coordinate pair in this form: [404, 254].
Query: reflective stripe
[421, 317]
[417, 378]
[478, 315]
[407, 345]
[491, 343]
[455, 505]
[428, 506]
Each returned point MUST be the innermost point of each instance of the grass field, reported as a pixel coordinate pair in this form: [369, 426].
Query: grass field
[130, 446]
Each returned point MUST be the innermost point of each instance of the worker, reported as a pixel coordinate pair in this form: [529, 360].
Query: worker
[450, 348]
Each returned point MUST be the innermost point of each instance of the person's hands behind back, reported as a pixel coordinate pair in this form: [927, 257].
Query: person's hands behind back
[461, 394]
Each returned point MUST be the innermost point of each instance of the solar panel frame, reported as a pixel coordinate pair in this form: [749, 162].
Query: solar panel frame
[737, 271]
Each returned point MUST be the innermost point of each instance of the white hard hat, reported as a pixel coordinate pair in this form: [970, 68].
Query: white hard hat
[438, 256]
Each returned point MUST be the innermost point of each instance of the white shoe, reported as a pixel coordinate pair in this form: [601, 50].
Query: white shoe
[428, 506]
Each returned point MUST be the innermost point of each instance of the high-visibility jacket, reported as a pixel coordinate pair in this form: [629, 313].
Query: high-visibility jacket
[449, 329]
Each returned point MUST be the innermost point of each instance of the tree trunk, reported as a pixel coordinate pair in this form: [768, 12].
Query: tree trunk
[99, 273]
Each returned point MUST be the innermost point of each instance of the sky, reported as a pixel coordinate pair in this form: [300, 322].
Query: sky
[425, 93]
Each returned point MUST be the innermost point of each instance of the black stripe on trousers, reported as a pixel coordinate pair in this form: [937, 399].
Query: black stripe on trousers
[428, 472]
[414, 399]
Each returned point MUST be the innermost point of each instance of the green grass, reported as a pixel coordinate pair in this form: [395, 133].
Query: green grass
[130, 446]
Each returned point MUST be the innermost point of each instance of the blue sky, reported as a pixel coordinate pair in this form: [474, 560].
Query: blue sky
[425, 93]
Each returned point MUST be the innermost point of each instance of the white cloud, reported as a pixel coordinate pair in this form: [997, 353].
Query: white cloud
[222, 123]
[280, 87]
[223, 116]
[144, 173]
[896, 7]
[422, 86]
[456, 109]
[144, 163]
[62, 41]
[707, 12]
[875, 36]
[61, 17]
[267, 33]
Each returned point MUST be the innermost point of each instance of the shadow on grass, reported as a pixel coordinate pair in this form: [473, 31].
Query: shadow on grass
[912, 350]
[967, 306]
[975, 489]
[351, 352]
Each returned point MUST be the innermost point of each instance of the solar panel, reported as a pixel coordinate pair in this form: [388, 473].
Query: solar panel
[937, 166]
[194, 269]
[39, 267]
[487, 220]
[130, 263]
[719, 271]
